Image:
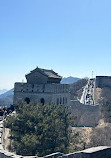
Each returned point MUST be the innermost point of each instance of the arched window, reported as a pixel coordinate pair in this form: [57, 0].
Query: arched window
[27, 100]
[57, 101]
[63, 100]
[42, 101]
[60, 100]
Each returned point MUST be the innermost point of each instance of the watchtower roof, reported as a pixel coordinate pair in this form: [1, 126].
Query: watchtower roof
[46, 72]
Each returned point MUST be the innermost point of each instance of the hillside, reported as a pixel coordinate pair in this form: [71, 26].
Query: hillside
[7, 98]
[2, 91]
[76, 89]
[7, 94]
[69, 80]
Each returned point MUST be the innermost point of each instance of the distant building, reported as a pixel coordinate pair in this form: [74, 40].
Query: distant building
[43, 86]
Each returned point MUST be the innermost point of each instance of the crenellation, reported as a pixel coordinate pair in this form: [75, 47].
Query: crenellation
[41, 88]
[51, 93]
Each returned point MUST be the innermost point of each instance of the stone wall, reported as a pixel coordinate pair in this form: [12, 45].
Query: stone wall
[36, 77]
[96, 152]
[51, 93]
[84, 115]
[103, 81]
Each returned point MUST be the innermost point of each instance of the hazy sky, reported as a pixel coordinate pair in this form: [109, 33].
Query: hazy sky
[72, 37]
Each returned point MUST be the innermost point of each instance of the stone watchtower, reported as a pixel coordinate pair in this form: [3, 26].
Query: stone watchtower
[43, 86]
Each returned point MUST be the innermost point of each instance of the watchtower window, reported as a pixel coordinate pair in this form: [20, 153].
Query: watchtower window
[42, 101]
[57, 101]
[63, 100]
[27, 100]
[60, 100]
[66, 100]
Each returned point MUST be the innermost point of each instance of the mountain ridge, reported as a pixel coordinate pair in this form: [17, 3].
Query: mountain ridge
[69, 80]
[3, 91]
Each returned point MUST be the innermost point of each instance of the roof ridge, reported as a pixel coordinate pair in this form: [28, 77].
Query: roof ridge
[49, 73]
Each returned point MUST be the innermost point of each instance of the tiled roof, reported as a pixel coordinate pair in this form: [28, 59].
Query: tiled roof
[49, 73]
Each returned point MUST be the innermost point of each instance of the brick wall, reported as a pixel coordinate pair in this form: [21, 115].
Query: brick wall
[51, 93]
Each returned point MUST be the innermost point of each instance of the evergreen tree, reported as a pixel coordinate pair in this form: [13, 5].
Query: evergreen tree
[39, 129]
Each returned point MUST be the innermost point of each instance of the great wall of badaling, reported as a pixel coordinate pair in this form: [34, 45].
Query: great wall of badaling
[43, 86]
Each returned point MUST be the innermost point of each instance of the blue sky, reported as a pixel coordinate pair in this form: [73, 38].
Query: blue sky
[72, 37]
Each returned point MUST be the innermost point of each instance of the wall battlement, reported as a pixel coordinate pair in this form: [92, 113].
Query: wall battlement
[42, 93]
[41, 88]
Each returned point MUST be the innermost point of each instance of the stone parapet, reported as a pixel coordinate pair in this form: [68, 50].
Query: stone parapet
[49, 93]
[41, 88]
